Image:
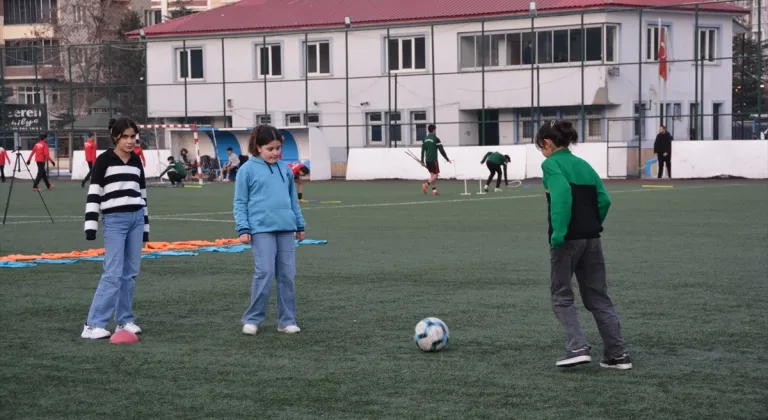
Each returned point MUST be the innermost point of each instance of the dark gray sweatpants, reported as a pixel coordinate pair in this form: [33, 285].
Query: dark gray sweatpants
[584, 257]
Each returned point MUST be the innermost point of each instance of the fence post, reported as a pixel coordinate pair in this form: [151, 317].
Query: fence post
[2, 92]
[695, 119]
[434, 90]
[759, 62]
[347, 23]
[583, 54]
[223, 84]
[188, 70]
[306, 78]
[261, 65]
[388, 120]
[482, 83]
[109, 77]
[640, 106]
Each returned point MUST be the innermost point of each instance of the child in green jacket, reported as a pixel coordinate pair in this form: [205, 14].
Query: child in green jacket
[578, 204]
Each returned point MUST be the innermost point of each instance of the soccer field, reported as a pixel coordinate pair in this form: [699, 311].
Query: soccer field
[687, 266]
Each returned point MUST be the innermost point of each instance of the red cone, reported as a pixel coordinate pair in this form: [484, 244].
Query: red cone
[124, 337]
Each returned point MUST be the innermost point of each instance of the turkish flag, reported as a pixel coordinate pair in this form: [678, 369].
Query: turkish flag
[662, 56]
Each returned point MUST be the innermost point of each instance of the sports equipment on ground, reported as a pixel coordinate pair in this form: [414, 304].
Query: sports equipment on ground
[431, 334]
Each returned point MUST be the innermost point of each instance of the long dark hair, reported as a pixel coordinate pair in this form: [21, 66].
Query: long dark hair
[560, 132]
[261, 136]
[117, 126]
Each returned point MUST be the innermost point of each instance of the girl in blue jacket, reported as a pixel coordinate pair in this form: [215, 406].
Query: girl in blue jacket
[268, 217]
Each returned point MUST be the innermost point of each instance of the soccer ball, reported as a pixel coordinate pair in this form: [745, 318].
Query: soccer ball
[431, 334]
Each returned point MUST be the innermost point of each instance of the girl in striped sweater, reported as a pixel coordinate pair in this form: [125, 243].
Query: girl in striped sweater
[118, 191]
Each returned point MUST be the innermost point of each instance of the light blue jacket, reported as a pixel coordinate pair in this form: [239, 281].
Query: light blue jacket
[265, 198]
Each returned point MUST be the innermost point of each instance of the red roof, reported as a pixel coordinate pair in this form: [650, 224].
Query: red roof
[273, 15]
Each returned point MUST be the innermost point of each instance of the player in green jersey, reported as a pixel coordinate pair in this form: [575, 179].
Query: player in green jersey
[495, 161]
[429, 148]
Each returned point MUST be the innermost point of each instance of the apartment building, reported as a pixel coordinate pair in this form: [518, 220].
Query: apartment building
[162, 10]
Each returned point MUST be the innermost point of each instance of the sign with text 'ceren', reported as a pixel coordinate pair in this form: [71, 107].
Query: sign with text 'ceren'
[24, 118]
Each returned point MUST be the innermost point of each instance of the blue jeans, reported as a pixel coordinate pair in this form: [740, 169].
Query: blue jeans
[123, 234]
[275, 256]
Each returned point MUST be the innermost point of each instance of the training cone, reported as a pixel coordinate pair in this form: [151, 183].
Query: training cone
[124, 337]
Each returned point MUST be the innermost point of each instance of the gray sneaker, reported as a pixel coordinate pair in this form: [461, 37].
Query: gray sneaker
[575, 357]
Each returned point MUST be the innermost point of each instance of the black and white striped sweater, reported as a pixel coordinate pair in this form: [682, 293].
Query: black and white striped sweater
[116, 186]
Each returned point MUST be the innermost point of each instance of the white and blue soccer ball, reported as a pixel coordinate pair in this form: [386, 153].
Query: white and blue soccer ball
[431, 334]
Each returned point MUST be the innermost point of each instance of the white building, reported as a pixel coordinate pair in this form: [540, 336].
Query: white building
[264, 41]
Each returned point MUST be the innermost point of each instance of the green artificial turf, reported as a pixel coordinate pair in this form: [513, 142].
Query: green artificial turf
[687, 271]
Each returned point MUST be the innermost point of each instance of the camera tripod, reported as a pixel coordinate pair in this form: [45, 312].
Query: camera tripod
[17, 168]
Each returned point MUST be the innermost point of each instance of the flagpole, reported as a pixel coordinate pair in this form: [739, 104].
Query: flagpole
[658, 73]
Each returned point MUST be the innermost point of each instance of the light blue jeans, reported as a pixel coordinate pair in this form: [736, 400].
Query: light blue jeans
[274, 254]
[123, 234]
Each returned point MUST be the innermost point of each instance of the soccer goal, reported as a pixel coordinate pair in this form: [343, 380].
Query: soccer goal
[179, 127]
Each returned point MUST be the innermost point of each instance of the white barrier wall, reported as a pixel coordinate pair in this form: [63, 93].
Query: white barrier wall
[156, 163]
[23, 174]
[690, 159]
[705, 159]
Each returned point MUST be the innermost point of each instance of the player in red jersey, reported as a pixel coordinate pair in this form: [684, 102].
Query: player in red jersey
[41, 153]
[4, 160]
[140, 152]
[299, 169]
[90, 156]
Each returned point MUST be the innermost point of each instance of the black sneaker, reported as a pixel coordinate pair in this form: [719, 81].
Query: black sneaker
[575, 357]
[622, 363]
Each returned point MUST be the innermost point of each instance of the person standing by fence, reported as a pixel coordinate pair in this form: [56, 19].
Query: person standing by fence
[662, 147]
[90, 156]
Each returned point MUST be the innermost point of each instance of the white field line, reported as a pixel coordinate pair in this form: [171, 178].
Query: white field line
[183, 217]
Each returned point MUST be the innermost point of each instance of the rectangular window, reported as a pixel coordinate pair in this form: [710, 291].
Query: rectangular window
[478, 51]
[374, 128]
[611, 43]
[25, 12]
[312, 119]
[514, 49]
[652, 42]
[292, 120]
[269, 60]
[407, 53]
[544, 43]
[26, 95]
[395, 127]
[28, 52]
[153, 17]
[639, 113]
[575, 45]
[189, 64]
[594, 47]
[594, 125]
[318, 58]
[418, 125]
[262, 119]
[561, 46]
[707, 44]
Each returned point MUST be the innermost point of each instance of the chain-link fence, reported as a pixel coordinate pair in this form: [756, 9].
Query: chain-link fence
[494, 85]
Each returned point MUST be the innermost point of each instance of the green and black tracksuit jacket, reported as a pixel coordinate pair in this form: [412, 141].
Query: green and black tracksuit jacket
[576, 197]
[429, 148]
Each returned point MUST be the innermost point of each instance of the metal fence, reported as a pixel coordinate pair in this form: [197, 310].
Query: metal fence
[70, 90]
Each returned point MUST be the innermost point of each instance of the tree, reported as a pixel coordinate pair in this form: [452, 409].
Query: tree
[746, 86]
[82, 29]
[127, 69]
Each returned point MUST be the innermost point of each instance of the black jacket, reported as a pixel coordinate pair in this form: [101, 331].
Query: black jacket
[663, 143]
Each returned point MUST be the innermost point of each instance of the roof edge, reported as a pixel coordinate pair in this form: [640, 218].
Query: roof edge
[383, 24]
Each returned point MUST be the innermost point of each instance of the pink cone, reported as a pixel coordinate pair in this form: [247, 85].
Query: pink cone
[124, 337]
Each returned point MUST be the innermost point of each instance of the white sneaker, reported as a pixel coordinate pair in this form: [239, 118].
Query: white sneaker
[130, 327]
[291, 329]
[94, 333]
[497, 190]
[250, 329]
